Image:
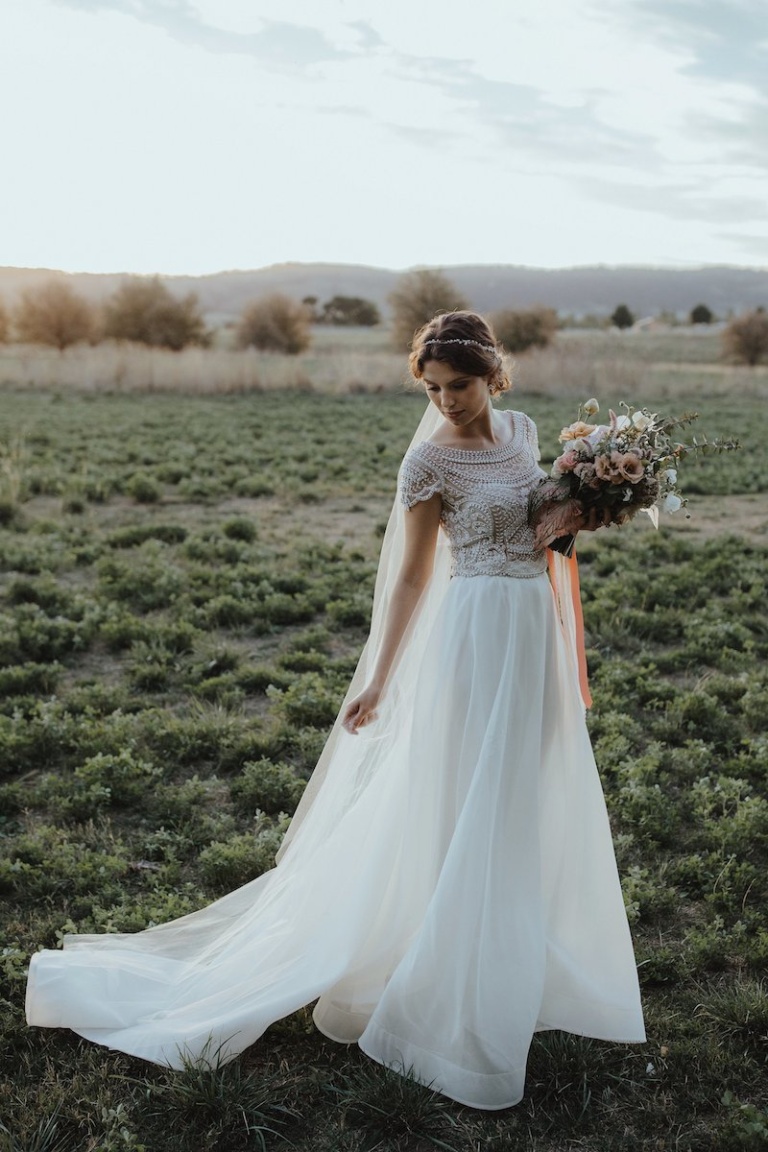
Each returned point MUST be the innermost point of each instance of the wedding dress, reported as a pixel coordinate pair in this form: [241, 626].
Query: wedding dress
[448, 885]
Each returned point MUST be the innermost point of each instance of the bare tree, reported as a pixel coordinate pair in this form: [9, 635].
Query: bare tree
[417, 298]
[143, 310]
[746, 337]
[526, 328]
[54, 314]
[275, 323]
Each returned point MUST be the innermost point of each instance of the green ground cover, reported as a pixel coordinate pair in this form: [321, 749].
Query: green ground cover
[184, 589]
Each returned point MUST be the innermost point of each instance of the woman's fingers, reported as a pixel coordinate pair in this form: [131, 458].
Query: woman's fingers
[356, 716]
[351, 719]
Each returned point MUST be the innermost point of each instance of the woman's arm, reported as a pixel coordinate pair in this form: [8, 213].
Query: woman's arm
[421, 525]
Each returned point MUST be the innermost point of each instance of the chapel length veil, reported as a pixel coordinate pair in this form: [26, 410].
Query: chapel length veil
[279, 942]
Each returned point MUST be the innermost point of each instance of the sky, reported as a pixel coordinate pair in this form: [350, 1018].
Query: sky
[193, 136]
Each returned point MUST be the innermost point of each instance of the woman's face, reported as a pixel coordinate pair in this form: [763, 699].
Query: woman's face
[460, 398]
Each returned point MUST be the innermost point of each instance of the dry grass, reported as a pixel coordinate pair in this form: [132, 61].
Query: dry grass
[134, 368]
[633, 367]
[340, 361]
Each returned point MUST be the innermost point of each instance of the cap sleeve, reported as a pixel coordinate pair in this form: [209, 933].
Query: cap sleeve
[418, 480]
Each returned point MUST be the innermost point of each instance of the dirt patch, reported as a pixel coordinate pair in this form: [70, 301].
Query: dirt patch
[713, 516]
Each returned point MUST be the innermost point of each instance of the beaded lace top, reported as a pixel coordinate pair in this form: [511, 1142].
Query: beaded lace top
[484, 497]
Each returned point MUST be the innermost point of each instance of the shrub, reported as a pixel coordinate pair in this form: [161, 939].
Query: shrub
[119, 778]
[54, 314]
[275, 323]
[349, 311]
[527, 328]
[746, 337]
[417, 298]
[143, 310]
[29, 678]
[622, 317]
[239, 528]
[135, 534]
[143, 488]
[230, 864]
[701, 314]
[266, 786]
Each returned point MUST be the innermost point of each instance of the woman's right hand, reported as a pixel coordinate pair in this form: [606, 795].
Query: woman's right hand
[361, 710]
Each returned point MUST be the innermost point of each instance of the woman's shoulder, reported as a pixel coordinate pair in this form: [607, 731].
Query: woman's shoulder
[528, 429]
[420, 475]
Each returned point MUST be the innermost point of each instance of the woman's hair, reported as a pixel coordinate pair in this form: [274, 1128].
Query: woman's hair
[466, 342]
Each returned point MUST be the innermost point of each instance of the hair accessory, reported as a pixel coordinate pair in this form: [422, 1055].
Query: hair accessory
[474, 343]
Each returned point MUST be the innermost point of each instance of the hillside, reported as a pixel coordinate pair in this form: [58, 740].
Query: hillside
[582, 290]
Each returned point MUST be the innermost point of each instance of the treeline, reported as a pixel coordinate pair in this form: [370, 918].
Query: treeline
[143, 310]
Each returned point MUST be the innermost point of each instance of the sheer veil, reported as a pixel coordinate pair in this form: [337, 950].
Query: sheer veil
[392, 550]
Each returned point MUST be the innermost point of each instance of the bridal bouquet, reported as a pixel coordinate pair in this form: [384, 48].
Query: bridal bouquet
[609, 472]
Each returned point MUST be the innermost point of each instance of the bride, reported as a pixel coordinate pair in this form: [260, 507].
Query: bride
[448, 885]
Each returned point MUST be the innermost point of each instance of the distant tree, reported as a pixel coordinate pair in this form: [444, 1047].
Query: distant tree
[746, 337]
[310, 303]
[349, 311]
[275, 323]
[145, 311]
[54, 314]
[622, 317]
[701, 314]
[417, 298]
[525, 328]
[4, 324]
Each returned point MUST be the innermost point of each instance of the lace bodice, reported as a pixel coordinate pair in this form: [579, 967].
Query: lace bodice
[484, 500]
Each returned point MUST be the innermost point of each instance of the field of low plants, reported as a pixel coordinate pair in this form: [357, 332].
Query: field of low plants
[185, 586]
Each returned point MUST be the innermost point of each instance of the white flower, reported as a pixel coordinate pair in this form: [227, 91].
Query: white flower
[622, 422]
[669, 475]
[671, 502]
[591, 408]
[641, 421]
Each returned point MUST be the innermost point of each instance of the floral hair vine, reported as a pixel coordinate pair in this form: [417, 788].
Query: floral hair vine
[474, 343]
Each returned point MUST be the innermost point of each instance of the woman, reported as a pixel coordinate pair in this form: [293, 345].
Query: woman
[447, 886]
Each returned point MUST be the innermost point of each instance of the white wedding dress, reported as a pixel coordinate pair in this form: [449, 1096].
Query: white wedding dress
[449, 885]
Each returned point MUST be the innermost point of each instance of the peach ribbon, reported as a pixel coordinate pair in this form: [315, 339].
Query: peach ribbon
[568, 601]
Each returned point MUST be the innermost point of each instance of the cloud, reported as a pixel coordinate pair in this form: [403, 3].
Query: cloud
[368, 37]
[728, 41]
[521, 117]
[677, 201]
[278, 43]
[756, 247]
[740, 141]
[427, 138]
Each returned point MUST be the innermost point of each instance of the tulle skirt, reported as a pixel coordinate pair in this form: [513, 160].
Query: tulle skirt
[452, 890]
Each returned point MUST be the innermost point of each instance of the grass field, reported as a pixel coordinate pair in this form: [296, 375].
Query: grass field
[184, 588]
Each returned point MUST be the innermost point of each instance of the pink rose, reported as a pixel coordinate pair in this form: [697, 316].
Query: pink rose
[630, 466]
[569, 460]
[606, 469]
